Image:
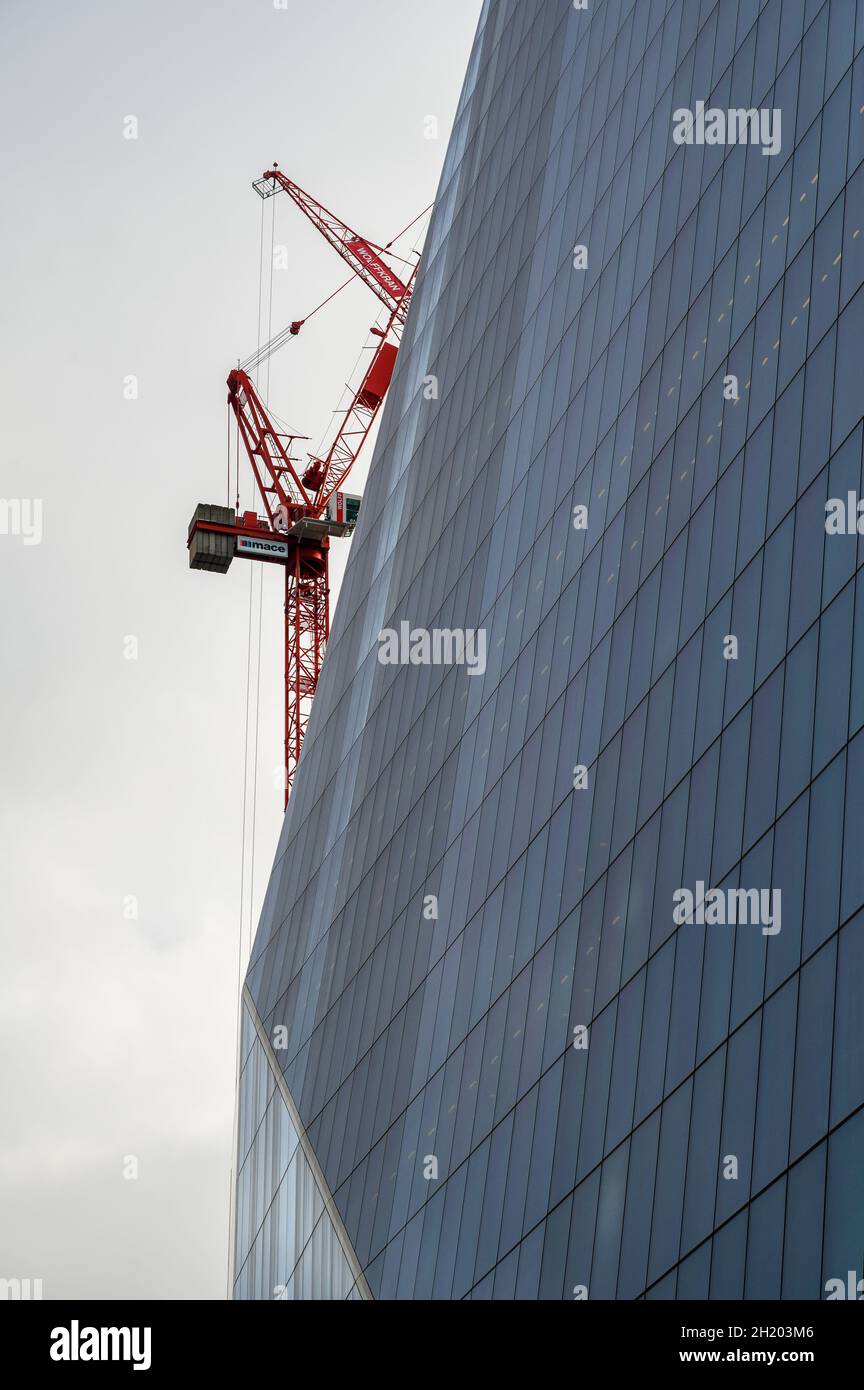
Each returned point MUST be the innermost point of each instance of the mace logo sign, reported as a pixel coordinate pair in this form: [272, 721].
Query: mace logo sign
[245, 546]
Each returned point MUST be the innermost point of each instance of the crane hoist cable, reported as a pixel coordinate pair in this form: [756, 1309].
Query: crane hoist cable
[255, 760]
[270, 311]
[260, 274]
[249, 642]
[240, 932]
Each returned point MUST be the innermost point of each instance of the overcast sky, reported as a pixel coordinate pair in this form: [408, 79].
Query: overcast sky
[124, 674]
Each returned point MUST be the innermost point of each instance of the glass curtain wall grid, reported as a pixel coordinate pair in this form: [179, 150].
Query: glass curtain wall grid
[447, 904]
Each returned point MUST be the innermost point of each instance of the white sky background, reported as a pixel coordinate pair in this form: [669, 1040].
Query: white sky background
[124, 777]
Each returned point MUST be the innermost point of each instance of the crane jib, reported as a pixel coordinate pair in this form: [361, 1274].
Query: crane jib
[373, 263]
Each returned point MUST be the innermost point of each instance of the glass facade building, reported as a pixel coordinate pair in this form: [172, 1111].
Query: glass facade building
[481, 1057]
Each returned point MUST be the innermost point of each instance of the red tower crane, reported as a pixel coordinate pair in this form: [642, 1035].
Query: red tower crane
[303, 510]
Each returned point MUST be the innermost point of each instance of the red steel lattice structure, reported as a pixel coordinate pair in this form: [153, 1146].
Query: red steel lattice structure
[299, 518]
